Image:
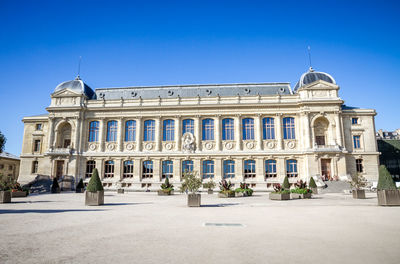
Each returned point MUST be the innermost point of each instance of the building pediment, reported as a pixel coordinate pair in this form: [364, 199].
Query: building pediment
[320, 85]
[66, 93]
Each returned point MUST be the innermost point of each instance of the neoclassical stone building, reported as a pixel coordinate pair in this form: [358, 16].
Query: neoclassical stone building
[253, 132]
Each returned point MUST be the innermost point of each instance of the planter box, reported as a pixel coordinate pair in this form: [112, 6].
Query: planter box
[314, 190]
[19, 194]
[295, 196]
[210, 191]
[5, 197]
[94, 198]
[226, 195]
[120, 190]
[279, 196]
[80, 190]
[194, 199]
[306, 196]
[389, 197]
[164, 193]
[358, 194]
[241, 194]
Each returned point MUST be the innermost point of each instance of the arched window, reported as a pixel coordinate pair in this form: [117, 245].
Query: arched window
[208, 129]
[109, 169]
[112, 129]
[268, 128]
[228, 131]
[208, 169]
[187, 165]
[270, 168]
[167, 169]
[94, 131]
[147, 169]
[130, 130]
[248, 128]
[188, 126]
[249, 169]
[229, 169]
[168, 130]
[128, 169]
[90, 165]
[288, 128]
[149, 130]
[291, 168]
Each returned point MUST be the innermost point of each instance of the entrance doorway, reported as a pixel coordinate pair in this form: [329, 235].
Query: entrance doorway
[59, 168]
[326, 169]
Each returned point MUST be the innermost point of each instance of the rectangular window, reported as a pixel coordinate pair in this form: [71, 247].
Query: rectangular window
[208, 129]
[356, 142]
[354, 121]
[291, 168]
[128, 169]
[188, 126]
[228, 132]
[270, 168]
[268, 128]
[112, 129]
[359, 165]
[248, 129]
[36, 145]
[130, 130]
[10, 167]
[90, 165]
[249, 169]
[187, 165]
[147, 169]
[168, 130]
[149, 130]
[208, 169]
[167, 169]
[109, 169]
[35, 165]
[38, 126]
[288, 128]
[229, 169]
[93, 131]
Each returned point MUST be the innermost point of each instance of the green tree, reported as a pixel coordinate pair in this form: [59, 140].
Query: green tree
[3, 140]
[286, 184]
[312, 183]
[190, 183]
[385, 181]
[95, 184]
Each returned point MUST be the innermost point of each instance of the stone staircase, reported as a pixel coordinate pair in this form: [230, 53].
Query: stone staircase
[41, 184]
[335, 187]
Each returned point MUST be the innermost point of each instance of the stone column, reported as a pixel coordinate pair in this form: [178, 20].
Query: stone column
[197, 167]
[139, 134]
[118, 170]
[307, 137]
[177, 170]
[158, 138]
[51, 133]
[217, 128]
[238, 132]
[218, 170]
[258, 130]
[102, 134]
[178, 133]
[281, 169]
[259, 169]
[339, 140]
[100, 167]
[157, 170]
[120, 134]
[238, 170]
[279, 135]
[137, 170]
[76, 133]
[197, 132]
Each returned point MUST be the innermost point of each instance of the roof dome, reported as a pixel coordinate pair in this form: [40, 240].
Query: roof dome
[312, 76]
[76, 85]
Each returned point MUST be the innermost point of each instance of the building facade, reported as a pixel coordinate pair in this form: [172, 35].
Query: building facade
[258, 133]
[9, 165]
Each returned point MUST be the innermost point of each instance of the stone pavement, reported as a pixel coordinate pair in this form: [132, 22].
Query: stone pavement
[146, 228]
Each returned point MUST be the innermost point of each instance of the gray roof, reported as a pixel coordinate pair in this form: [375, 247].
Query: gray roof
[76, 85]
[186, 91]
[312, 76]
[8, 156]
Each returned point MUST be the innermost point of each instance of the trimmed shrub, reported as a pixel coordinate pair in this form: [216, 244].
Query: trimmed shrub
[286, 184]
[80, 184]
[55, 187]
[166, 185]
[95, 184]
[312, 183]
[385, 181]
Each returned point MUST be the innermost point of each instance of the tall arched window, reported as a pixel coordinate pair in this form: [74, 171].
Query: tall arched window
[90, 165]
[94, 131]
[187, 165]
[229, 169]
[291, 168]
[167, 169]
[149, 130]
[288, 128]
[108, 169]
[248, 128]
[268, 128]
[112, 129]
[270, 168]
[130, 130]
[128, 169]
[208, 129]
[249, 169]
[147, 171]
[188, 126]
[168, 130]
[228, 131]
[208, 169]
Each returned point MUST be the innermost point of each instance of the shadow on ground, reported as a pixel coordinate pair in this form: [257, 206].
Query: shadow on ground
[219, 205]
[112, 204]
[45, 211]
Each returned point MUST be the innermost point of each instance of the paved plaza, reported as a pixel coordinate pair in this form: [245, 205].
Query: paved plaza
[146, 228]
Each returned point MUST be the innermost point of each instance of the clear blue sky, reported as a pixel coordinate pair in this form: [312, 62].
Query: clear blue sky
[183, 42]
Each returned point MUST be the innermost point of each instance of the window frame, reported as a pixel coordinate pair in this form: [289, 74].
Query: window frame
[112, 131]
[208, 129]
[94, 127]
[229, 169]
[228, 129]
[128, 169]
[168, 130]
[251, 164]
[359, 166]
[187, 164]
[130, 131]
[188, 126]
[167, 169]
[292, 168]
[149, 130]
[37, 144]
[147, 172]
[90, 165]
[248, 129]
[208, 169]
[270, 168]
[289, 127]
[268, 128]
[35, 167]
[109, 167]
[357, 141]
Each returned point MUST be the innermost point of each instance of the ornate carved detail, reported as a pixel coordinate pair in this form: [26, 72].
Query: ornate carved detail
[92, 146]
[188, 142]
[148, 146]
[291, 144]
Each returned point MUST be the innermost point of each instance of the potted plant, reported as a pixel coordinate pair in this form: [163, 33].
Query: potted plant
[387, 192]
[191, 185]
[209, 186]
[166, 188]
[18, 191]
[279, 193]
[357, 182]
[301, 191]
[313, 186]
[94, 192]
[80, 188]
[5, 189]
[55, 187]
[243, 190]
[226, 189]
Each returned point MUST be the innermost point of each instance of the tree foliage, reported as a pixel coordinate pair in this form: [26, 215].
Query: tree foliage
[286, 184]
[3, 140]
[385, 181]
[312, 183]
[190, 183]
[95, 184]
